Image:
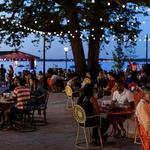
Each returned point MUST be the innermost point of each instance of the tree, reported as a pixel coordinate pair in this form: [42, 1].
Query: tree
[119, 57]
[75, 21]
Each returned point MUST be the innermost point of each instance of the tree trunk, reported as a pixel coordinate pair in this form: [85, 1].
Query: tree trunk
[93, 53]
[93, 58]
[79, 57]
[76, 43]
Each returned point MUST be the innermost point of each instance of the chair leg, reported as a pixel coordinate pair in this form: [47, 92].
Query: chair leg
[72, 103]
[127, 128]
[69, 101]
[44, 113]
[86, 139]
[77, 136]
[89, 135]
[136, 136]
[67, 104]
[100, 137]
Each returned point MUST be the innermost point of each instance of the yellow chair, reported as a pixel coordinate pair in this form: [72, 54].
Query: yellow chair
[80, 117]
[69, 93]
[87, 80]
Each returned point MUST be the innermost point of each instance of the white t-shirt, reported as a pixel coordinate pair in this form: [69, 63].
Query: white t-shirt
[123, 98]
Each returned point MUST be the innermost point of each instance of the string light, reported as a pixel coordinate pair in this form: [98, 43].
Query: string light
[93, 1]
[18, 24]
[108, 4]
[136, 7]
[123, 6]
[84, 20]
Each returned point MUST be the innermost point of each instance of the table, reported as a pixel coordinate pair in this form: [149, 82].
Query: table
[117, 118]
[116, 115]
[5, 104]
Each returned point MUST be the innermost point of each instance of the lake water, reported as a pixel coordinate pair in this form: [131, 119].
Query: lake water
[58, 64]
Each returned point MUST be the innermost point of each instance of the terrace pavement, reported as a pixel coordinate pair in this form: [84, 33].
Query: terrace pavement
[58, 134]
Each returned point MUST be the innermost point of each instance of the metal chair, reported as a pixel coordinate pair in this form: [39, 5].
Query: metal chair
[80, 117]
[41, 106]
[87, 80]
[70, 100]
[25, 119]
[1, 118]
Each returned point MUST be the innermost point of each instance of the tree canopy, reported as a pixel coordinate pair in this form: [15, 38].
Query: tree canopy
[74, 21]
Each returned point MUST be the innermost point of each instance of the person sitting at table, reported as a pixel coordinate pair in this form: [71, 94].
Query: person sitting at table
[111, 83]
[137, 92]
[142, 111]
[22, 95]
[102, 82]
[89, 103]
[122, 100]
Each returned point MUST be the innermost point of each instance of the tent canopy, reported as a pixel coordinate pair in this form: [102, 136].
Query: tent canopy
[17, 55]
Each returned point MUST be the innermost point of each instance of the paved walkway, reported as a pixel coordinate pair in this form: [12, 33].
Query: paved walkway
[59, 134]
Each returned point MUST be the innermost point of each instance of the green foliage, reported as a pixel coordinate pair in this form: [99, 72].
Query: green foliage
[119, 58]
[62, 18]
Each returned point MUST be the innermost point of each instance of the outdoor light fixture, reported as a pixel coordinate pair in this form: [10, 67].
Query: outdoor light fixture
[66, 49]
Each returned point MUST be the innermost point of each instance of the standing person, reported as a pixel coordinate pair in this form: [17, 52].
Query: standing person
[10, 73]
[89, 103]
[2, 75]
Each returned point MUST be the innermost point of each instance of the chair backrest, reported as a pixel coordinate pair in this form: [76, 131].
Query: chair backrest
[47, 97]
[87, 80]
[143, 136]
[79, 114]
[68, 91]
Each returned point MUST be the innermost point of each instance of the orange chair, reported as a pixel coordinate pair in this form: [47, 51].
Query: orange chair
[143, 136]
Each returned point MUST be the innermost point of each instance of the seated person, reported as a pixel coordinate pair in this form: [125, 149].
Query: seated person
[137, 92]
[89, 103]
[111, 83]
[143, 110]
[122, 100]
[22, 94]
[101, 83]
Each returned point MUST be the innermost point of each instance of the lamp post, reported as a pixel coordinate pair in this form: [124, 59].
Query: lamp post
[146, 49]
[44, 47]
[66, 56]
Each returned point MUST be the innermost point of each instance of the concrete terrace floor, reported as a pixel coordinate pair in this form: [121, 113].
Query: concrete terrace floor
[58, 134]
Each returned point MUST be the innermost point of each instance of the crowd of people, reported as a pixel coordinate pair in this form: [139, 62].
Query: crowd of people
[125, 88]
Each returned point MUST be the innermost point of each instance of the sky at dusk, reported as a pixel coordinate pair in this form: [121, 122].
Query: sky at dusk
[57, 50]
